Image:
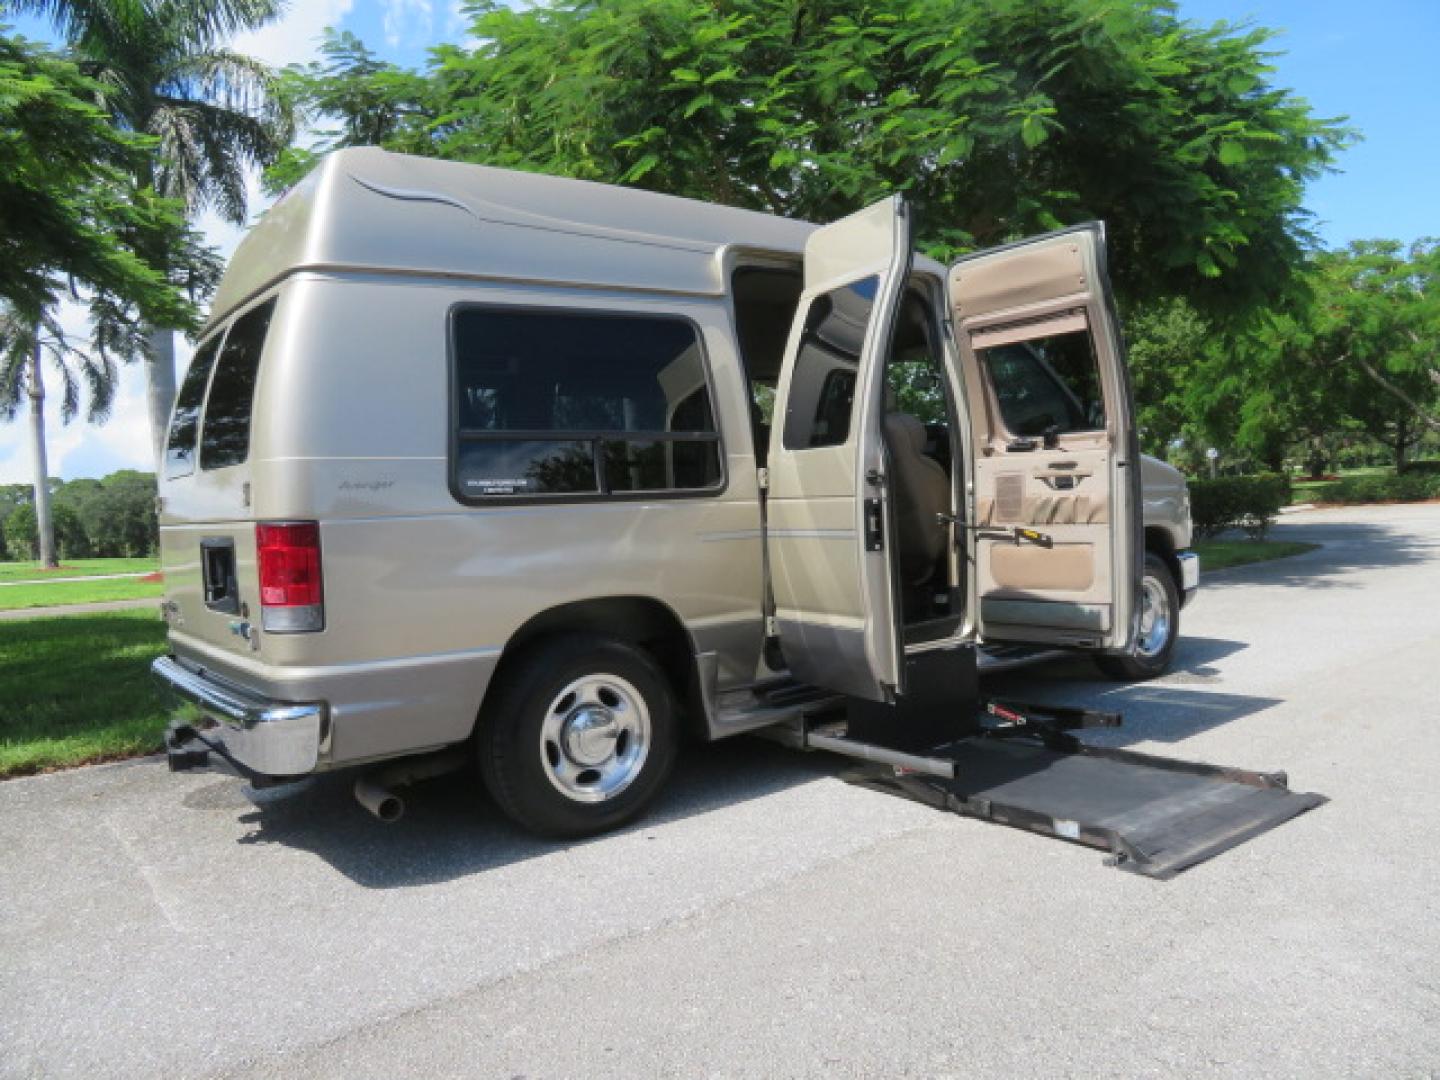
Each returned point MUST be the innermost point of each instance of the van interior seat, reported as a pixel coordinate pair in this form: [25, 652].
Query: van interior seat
[921, 490]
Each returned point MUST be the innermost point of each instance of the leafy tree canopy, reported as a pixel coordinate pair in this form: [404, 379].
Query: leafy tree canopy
[70, 214]
[1356, 348]
[998, 118]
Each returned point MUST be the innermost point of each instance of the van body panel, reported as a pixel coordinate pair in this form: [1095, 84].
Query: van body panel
[421, 593]
[366, 209]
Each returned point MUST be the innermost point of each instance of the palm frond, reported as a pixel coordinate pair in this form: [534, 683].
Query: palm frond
[208, 21]
[85, 20]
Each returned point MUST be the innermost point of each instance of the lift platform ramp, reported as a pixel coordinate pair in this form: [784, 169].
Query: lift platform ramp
[1019, 765]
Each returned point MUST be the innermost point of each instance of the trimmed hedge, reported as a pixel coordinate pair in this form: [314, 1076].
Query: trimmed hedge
[1408, 487]
[1237, 502]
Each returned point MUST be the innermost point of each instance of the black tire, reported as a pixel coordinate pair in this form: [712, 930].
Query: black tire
[547, 764]
[1148, 663]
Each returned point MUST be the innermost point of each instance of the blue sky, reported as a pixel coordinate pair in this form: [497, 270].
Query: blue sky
[1377, 63]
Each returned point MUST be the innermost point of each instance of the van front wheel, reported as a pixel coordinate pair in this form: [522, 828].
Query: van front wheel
[579, 738]
[1159, 627]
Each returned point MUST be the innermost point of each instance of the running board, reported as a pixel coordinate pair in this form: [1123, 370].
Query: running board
[1156, 816]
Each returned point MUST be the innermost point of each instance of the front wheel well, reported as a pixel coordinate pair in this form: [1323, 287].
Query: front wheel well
[641, 621]
[1159, 542]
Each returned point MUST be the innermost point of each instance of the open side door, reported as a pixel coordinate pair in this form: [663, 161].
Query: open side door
[1055, 447]
[828, 528]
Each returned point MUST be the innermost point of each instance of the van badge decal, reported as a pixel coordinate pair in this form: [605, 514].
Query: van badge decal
[366, 485]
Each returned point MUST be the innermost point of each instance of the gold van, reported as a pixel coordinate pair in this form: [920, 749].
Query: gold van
[549, 472]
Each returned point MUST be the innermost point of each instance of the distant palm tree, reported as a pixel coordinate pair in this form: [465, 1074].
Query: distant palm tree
[24, 348]
[215, 113]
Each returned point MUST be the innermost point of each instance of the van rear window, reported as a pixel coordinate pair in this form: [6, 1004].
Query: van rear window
[225, 434]
[564, 403]
[185, 424]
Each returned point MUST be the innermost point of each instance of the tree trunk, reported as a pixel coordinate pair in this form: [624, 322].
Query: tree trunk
[159, 388]
[1402, 441]
[44, 525]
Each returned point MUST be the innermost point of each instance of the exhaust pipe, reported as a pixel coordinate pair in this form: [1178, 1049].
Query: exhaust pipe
[379, 800]
[375, 790]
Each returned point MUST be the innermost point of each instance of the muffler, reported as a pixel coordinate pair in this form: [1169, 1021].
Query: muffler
[375, 791]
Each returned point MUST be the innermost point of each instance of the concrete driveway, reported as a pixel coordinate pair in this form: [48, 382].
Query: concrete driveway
[769, 919]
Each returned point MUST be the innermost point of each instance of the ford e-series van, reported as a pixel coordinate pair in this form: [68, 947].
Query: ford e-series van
[548, 472]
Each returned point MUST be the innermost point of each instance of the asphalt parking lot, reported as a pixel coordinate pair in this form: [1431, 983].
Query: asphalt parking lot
[769, 919]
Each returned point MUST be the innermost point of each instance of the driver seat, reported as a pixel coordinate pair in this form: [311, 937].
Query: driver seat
[920, 488]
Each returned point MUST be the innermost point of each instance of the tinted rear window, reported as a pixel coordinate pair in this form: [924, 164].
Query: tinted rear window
[185, 424]
[225, 436]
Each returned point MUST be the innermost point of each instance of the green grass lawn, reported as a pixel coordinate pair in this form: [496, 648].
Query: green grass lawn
[1220, 554]
[48, 593]
[76, 689]
[30, 571]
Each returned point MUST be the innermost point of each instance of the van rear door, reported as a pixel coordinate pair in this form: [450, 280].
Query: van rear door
[207, 530]
[1054, 442]
[828, 528]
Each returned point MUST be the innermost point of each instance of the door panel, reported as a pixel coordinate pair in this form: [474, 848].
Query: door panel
[1054, 442]
[835, 608]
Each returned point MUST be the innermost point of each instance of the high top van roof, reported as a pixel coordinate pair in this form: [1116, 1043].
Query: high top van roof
[365, 209]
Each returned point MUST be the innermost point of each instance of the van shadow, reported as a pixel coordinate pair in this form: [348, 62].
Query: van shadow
[1162, 710]
[1345, 548]
[452, 830]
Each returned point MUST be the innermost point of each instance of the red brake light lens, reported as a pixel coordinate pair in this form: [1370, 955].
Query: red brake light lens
[289, 563]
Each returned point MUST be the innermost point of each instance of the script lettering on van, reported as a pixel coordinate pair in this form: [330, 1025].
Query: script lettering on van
[366, 485]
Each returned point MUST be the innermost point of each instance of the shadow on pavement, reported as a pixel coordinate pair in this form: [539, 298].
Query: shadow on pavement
[1162, 710]
[1346, 547]
[451, 830]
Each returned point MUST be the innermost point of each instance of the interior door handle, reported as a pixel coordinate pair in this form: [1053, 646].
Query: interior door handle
[1061, 481]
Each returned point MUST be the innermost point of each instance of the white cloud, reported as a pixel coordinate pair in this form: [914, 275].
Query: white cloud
[293, 38]
[408, 20]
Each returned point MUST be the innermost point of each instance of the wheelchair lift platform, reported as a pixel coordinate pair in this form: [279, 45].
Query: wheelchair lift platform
[1019, 765]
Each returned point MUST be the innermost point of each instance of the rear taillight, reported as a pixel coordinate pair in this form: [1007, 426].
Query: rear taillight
[288, 554]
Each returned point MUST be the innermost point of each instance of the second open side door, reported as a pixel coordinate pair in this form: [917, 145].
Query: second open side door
[1054, 442]
[828, 526]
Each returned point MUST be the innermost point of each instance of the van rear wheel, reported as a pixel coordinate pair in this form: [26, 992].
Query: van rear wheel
[580, 738]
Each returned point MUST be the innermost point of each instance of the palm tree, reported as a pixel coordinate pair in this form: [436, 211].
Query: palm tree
[25, 344]
[214, 112]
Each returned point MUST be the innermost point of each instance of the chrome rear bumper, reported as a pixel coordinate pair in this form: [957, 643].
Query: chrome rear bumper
[272, 738]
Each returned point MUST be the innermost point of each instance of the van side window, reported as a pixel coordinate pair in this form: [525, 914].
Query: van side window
[225, 435]
[185, 424]
[822, 385]
[558, 403]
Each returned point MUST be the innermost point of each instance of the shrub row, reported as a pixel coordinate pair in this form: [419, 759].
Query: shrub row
[1407, 487]
[1237, 502]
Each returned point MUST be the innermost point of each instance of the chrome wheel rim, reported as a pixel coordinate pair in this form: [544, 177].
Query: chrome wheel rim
[1155, 618]
[595, 738]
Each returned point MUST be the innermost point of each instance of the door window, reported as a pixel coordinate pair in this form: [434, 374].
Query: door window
[822, 385]
[225, 436]
[1047, 383]
[185, 424]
